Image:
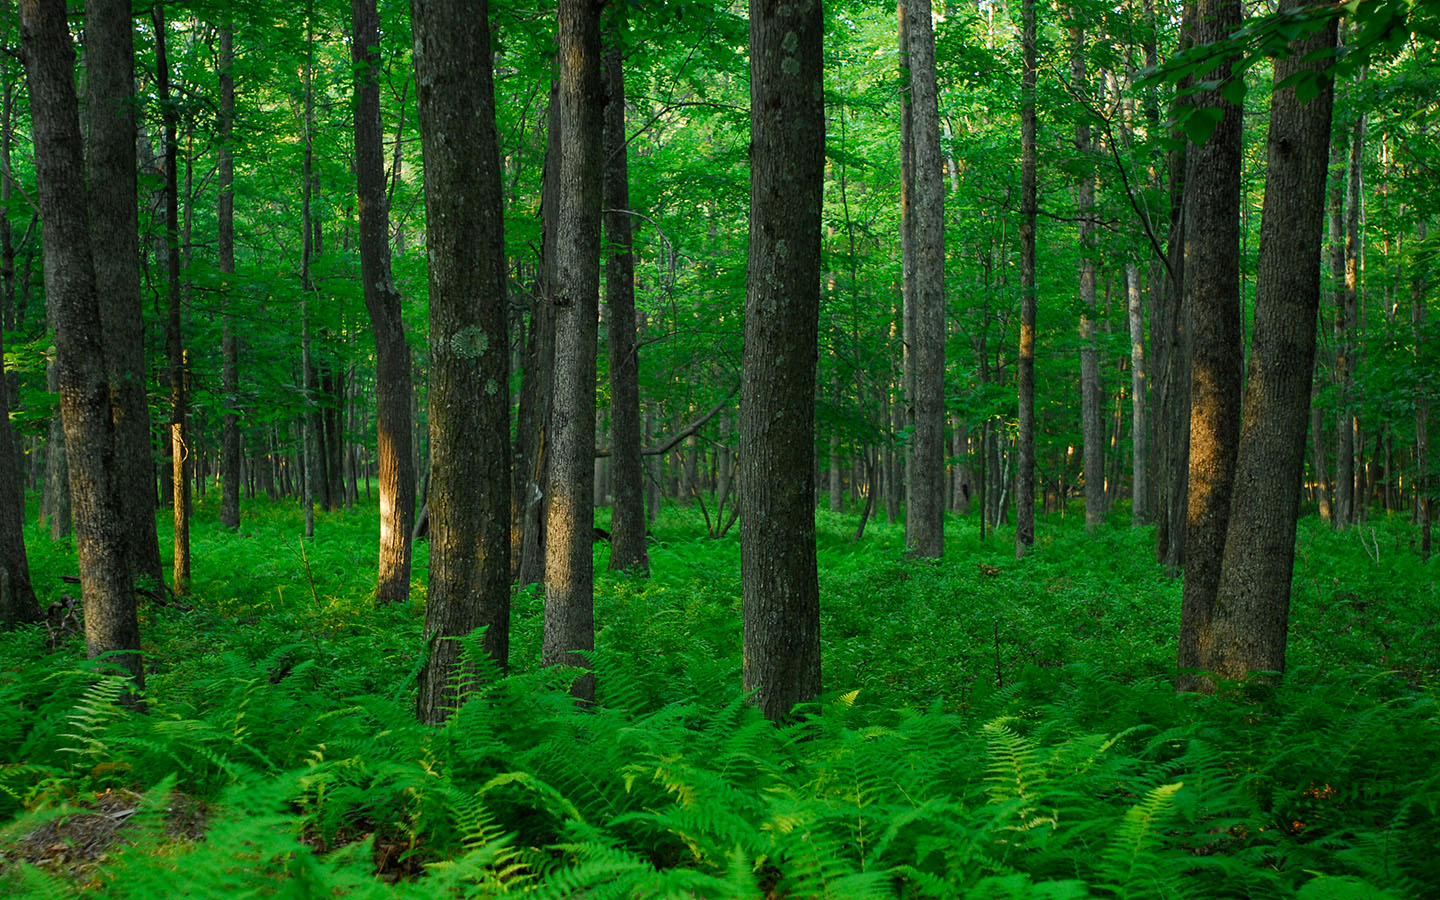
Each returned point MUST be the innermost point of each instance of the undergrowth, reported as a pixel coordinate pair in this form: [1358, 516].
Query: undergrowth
[994, 729]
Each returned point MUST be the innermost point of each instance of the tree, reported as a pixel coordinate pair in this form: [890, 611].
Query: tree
[114, 218]
[780, 595]
[627, 516]
[469, 377]
[1212, 293]
[1025, 439]
[382, 300]
[570, 523]
[925, 513]
[225, 248]
[17, 596]
[1091, 427]
[1252, 603]
[174, 344]
[111, 624]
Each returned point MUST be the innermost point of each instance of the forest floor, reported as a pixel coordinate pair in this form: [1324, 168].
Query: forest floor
[991, 728]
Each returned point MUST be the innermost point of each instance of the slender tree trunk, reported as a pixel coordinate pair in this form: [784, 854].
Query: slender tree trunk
[229, 345]
[1323, 494]
[1025, 439]
[780, 595]
[569, 529]
[1252, 606]
[174, 345]
[925, 515]
[906, 406]
[469, 350]
[1418, 312]
[1353, 318]
[1091, 426]
[1139, 463]
[111, 625]
[17, 597]
[382, 301]
[627, 518]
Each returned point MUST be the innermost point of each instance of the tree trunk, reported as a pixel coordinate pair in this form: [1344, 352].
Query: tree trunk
[17, 597]
[570, 526]
[229, 346]
[1091, 426]
[1025, 439]
[114, 216]
[174, 346]
[1252, 605]
[1139, 489]
[925, 515]
[627, 517]
[111, 625]
[1212, 294]
[469, 350]
[780, 595]
[1353, 313]
[382, 301]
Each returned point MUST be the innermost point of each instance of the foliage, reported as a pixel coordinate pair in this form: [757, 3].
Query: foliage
[993, 729]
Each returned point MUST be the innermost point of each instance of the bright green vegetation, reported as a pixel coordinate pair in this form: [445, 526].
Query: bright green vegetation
[993, 729]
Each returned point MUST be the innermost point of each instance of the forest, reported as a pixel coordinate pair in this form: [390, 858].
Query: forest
[718, 449]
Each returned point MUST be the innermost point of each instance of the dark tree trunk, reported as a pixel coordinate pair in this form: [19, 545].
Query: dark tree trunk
[1212, 293]
[469, 349]
[627, 517]
[1422, 415]
[1253, 603]
[114, 217]
[229, 346]
[111, 624]
[1344, 511]
[780, 597]
[925, 515]
[17, 597]
[382, 300]
[570, 525]
[174, 346]
[1025, 440]
[529, 500]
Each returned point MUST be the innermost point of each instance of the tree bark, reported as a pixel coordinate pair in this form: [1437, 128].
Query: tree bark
[780, 596]
[114, 217]
[382, 300]
[229, 345]
[174, 345]
[1253, 602]
[1212, 294]
[925, 514]
[469, 350]
[1344, 512]
[1092, 428]
[111, 625]
[1025, 439]
[627, 517]
[17, 596]
[570, 525]
[1139, 489]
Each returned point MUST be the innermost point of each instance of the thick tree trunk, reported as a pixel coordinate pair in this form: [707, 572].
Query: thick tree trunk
[114, 217]
[1025, 439]
[570, 526]
[925, 514]
[469, 350]
[780, 595]
[111, 625]
[1252, 605]
[627, 516]
[1139, 489]
[382, 301]
[229, 345]
[1212, 294]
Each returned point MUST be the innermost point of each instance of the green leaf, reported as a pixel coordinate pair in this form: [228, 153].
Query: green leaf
[1201, 123]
